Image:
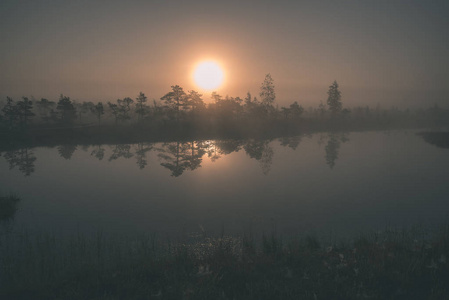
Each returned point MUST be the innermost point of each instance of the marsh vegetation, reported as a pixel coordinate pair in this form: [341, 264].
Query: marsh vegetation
[399, 264]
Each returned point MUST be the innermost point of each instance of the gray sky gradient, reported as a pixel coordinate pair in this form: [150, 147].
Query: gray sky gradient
[388, 52]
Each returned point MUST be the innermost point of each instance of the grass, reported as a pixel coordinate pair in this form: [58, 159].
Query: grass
[407, 264]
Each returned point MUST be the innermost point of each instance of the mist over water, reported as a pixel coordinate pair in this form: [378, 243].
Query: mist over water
[325, 183]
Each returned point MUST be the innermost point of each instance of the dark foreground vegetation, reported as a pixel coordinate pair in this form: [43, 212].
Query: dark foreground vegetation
[183, 114]
[409, 264]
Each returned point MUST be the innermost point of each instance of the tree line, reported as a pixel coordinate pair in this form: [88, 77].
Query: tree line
[188, 107]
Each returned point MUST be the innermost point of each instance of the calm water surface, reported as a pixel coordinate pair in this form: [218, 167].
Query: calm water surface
[324, 183]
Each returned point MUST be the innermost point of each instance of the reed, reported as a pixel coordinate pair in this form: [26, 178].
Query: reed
[410, 263]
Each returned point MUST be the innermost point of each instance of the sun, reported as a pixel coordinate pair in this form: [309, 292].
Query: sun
[208, 75]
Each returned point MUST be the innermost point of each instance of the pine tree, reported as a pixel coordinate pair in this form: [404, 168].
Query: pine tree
[124, 106]
[44, 107]
[296, 110]
[195, 100]
[141, 107]
[176, 99]
[334, 99]
[114, 110]
[67, 112]
[98, 111]
[267, 93]
[10, 112]
[24, 111]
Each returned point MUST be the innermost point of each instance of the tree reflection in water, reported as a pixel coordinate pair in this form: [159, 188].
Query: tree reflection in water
[290, 141]
[262, 152]
[333, 146]
[98, 152]
[23, 159]
[121, 150]
[66, 151]
[141, 154]
[181, 156]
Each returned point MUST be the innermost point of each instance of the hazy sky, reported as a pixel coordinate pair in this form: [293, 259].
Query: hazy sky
[387, 52]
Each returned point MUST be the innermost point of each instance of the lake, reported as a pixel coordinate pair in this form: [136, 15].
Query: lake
[335, 184]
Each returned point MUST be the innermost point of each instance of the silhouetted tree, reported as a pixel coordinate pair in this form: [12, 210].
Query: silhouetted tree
[121, 110]
[141, 107]
[98, 111]
[194, 99]
[158, 110]
[83, 108]
[67, 112]
[115, 111]
[248, 99]
[321, 109]
[45, 107]
[176, 100]
[10, 113]
[24, 111]
[124, 108]
[296, 110]
[334, 98]
[267, 94]
[54, 116]
[285, 111]
[250, 106]
[228, 108]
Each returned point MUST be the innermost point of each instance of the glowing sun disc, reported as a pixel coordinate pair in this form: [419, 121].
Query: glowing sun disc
[208, 75]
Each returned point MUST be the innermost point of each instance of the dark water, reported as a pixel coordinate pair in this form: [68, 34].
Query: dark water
[337, 184]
